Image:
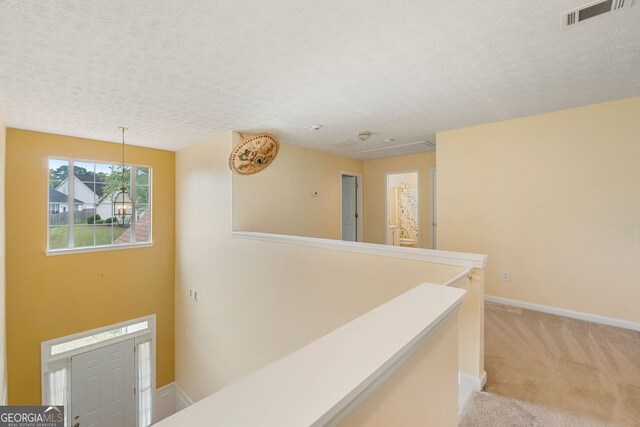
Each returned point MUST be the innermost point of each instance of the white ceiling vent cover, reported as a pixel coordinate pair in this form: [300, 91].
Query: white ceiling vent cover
[593, 9]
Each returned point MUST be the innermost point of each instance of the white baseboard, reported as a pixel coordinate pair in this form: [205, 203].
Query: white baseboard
[165, 402]
[471, 381]
[182, 399]
[467, 384]
[610, 321]
[169, 399]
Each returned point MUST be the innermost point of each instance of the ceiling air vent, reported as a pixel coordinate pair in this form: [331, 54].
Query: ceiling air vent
[593, 9]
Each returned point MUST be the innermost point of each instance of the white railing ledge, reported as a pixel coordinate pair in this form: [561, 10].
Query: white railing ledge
[462, 259]
[320, 383]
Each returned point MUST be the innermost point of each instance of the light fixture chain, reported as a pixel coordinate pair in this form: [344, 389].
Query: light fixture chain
[123, 178]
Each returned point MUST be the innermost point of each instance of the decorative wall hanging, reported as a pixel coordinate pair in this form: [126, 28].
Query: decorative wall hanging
[254, 154]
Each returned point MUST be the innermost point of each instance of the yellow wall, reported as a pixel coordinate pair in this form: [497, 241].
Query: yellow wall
[258, 301]
[3, 335]
[554, 199]
[279, 199]
[374, 190]
[50, 297]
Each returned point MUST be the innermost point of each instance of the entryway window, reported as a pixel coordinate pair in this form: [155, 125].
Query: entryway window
[103, 373]
[83, 211]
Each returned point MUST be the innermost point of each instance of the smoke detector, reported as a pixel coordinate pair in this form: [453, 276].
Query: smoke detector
[592, 10]
[364, 135]
[315, 127]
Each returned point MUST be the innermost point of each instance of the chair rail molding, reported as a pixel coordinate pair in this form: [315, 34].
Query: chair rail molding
[461, 259]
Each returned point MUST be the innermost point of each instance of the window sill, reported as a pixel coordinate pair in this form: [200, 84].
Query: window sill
[69, 251]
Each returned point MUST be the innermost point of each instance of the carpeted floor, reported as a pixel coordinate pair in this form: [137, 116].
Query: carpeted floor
[546, 370]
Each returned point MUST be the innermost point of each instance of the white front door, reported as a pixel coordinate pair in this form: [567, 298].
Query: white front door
[349, 211]
[102, 387]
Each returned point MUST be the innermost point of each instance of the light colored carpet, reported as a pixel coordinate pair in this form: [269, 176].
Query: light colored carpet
[486, 409]
[550, 370]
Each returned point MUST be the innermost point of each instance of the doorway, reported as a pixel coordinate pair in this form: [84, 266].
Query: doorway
[434, 220]
[102, 386]
[105, 376]
[403, 209]
[350, 207]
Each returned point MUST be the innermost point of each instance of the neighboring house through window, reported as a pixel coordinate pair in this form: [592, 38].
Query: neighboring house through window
[92, 190]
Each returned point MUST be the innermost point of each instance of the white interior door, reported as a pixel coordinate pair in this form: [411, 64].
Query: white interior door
[102, 387]
[434, 219]
[349, 211]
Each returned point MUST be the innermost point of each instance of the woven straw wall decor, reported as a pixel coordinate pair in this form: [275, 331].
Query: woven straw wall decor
[254, 153]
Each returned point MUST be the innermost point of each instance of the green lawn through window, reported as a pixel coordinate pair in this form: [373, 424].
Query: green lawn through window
[83, 235]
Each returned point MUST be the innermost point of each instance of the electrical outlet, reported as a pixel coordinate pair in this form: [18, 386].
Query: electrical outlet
[193, 294]
[506, 276]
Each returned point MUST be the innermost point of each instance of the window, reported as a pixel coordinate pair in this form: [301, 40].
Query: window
[82, 210]
[98, 337]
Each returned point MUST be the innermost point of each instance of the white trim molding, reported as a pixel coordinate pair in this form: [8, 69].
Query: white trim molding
[579, 315]
[182, 399]
[471, 381]
[467, 384]
[416, 254]
[170, 399]
[101, 248]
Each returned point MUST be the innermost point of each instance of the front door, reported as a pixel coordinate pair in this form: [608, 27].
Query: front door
[102, 387]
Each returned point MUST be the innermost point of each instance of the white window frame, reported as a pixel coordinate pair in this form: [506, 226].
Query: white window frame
[51, 363]
[71, 194]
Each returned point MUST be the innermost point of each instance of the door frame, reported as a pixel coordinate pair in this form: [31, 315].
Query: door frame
[50, 362]
[386, 203]
[359, 187]
[434, 218]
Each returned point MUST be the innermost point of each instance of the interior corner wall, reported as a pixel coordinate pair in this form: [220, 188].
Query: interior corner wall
[279, 199]
[3, 332]
[54, 296]
[259, 301]
[375, 188]
[552, 198]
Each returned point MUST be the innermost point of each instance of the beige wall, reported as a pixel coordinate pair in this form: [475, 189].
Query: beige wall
[54, 296]
[257, 300]
[279, 199]
[374, 190]
[3, 333]
[422, 392]
[554, 199]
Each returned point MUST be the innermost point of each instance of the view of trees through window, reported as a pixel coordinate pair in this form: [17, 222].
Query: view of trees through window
[84, 213]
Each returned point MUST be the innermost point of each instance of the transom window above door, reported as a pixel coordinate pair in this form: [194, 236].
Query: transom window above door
[84, 213]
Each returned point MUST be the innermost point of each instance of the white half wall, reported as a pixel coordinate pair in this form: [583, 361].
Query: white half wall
[261, 300]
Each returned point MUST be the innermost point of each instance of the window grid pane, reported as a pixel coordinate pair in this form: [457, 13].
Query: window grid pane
[95, 185]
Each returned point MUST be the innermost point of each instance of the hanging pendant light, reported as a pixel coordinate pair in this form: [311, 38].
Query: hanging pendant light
[122, 204]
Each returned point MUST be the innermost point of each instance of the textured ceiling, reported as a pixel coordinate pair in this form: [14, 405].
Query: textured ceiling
[176, 72]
